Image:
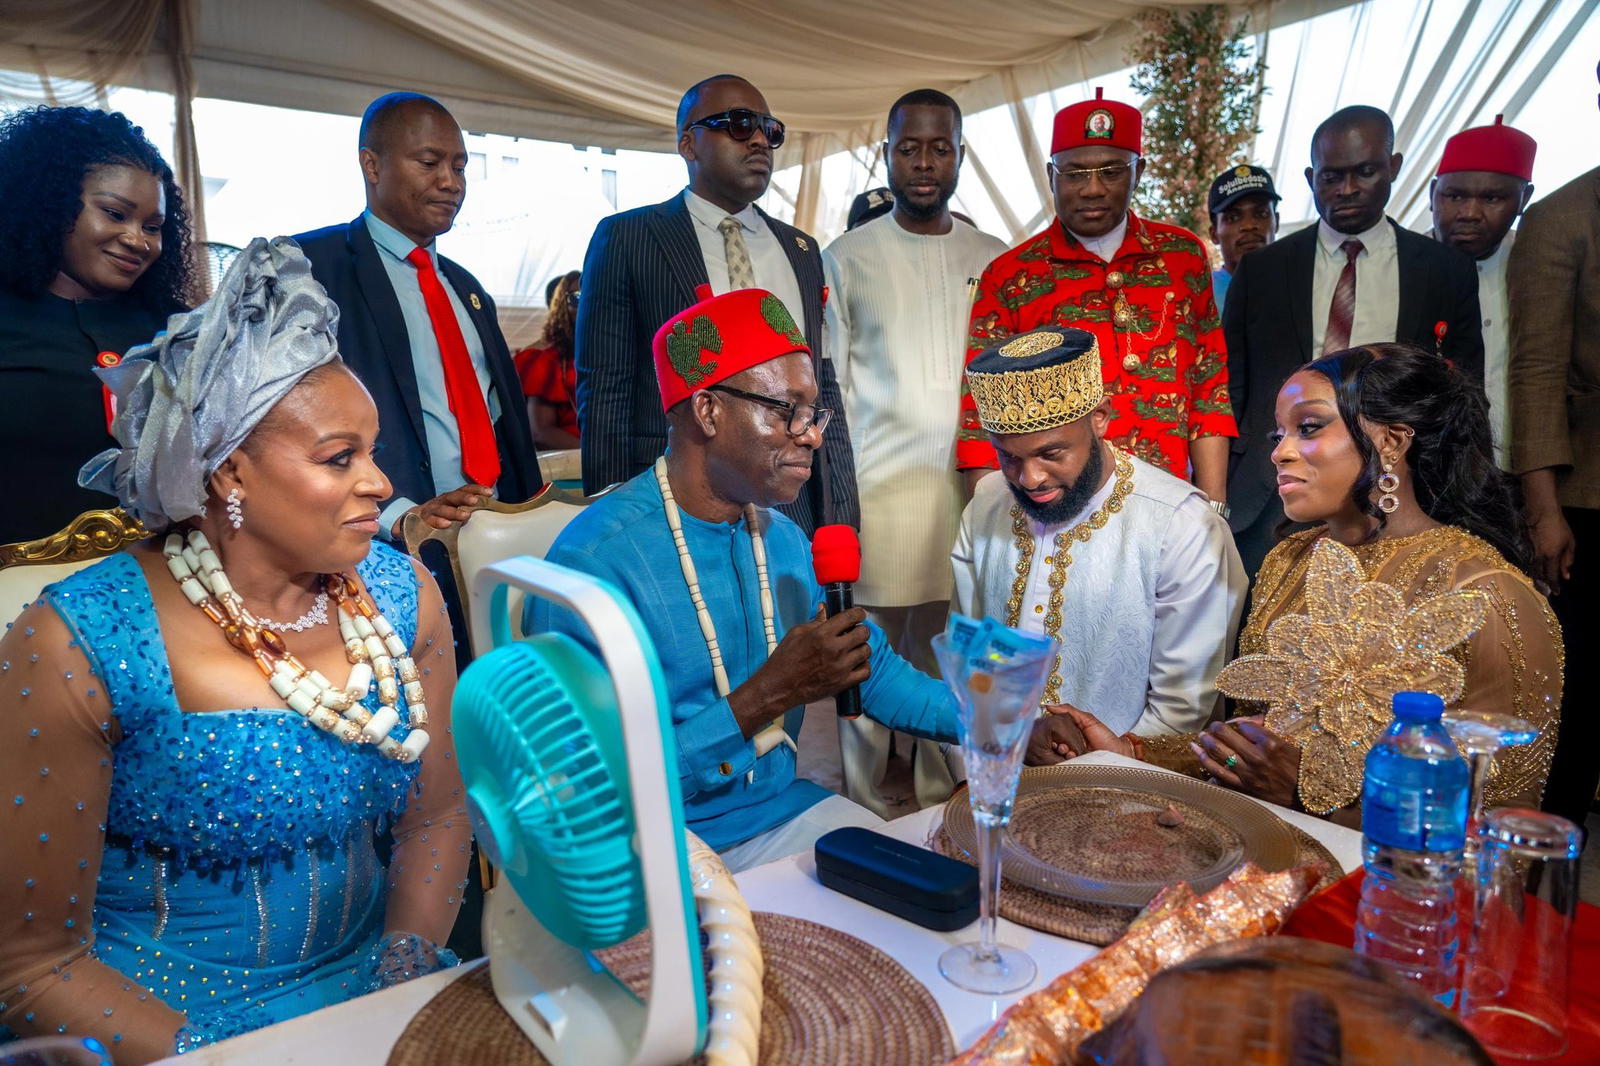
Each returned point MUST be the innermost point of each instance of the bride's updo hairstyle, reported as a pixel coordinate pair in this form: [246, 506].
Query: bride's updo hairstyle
[1451, 459]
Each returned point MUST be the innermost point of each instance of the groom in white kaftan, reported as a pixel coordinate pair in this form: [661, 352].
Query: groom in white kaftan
[1130, 566]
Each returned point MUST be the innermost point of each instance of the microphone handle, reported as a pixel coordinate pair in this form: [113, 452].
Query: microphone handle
[840, 597]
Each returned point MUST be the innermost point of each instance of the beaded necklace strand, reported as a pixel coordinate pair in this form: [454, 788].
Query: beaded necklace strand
[772, 734]
[1061, 559]
[371, 646]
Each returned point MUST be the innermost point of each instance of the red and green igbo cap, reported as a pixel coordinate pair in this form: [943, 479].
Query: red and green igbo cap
[719, 337]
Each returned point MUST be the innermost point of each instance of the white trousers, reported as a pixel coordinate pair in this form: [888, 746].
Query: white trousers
[864, 744]
[799, 833]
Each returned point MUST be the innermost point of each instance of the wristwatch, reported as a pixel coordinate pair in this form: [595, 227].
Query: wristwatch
[1221, 507]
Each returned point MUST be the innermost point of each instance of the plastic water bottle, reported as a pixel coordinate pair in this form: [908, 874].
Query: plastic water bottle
[1413, 822]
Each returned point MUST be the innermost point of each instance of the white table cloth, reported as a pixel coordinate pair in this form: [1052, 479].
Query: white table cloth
[362, 1032]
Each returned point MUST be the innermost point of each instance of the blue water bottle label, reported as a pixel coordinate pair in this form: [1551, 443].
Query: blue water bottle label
[1412, 819]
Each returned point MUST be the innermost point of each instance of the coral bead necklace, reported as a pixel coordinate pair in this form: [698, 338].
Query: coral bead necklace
[371, 646]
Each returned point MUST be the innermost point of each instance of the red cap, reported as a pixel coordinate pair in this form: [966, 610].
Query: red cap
[1098, 122]
[719, 337]
[836, 554]
[1499, 149]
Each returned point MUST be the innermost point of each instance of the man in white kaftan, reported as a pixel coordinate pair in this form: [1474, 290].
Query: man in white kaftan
[1127, 564]
[901, 294]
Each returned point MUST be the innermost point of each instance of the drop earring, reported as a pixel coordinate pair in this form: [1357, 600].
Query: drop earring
[1388, 503]
[235, 508]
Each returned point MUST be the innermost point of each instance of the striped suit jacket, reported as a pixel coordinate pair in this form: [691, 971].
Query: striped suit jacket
[641, 269]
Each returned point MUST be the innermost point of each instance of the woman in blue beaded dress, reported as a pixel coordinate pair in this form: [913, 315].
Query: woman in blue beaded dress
[193, 792]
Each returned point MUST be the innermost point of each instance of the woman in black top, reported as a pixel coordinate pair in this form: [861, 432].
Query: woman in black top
[96, 256]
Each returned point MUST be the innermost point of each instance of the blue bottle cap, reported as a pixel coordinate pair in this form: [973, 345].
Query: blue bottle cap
[1418, 707]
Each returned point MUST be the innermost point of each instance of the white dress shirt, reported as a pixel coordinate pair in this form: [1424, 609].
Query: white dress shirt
[1150, 604]
[1377, 313]
[898, 333]
[768, 260]
[1105, 247]
[1497, 343]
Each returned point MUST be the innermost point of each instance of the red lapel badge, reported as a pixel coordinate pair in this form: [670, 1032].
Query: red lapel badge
[108, 359]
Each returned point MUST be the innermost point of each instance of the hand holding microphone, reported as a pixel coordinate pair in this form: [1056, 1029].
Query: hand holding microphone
[836, 560]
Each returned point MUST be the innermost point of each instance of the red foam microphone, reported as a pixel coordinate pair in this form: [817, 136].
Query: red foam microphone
[836, 560]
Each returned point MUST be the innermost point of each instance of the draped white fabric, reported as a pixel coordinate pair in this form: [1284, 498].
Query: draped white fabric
[609, 72]
[604, 72]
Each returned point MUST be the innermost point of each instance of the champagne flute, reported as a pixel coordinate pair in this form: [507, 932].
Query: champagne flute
[1480, 735]
[997, 702]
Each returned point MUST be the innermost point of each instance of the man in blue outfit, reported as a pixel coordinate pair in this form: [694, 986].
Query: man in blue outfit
[725, 588]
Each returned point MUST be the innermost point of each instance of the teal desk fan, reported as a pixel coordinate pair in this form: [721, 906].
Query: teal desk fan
[570, 771]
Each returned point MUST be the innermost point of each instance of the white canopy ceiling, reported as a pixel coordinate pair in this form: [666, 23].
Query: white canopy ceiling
[609, 72]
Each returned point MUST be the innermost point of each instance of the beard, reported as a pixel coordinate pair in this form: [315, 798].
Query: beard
[1073, 496]
[921, 212]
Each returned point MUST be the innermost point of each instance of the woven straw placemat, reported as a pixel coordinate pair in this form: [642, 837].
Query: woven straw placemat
[1101, 923]
[830, 1000]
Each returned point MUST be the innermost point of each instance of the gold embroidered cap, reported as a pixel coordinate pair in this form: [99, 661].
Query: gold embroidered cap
[1037, 380]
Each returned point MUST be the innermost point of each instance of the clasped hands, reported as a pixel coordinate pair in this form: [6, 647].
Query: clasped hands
[1242, 754]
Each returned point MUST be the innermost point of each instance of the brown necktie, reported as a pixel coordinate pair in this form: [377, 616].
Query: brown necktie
[1342, 311]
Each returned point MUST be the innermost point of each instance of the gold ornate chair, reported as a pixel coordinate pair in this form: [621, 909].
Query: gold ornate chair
[27, 566]
[498, 531]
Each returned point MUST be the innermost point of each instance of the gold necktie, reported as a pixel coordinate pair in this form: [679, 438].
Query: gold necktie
[741, 274]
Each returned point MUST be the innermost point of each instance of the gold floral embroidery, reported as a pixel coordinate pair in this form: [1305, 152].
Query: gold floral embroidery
[1328, 675]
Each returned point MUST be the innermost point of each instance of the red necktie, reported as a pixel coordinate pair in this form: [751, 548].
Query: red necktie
[480, 459]
[1342, 311]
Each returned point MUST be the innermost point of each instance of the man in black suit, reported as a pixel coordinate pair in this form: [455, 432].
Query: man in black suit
[1356, 277]
[422, 334]
[393, 290]
[643, 267]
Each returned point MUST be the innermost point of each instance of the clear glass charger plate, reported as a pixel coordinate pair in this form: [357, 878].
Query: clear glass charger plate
[1091, 833]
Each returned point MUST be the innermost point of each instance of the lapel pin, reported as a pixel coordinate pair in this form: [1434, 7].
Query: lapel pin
[801, 241]
[473, 299]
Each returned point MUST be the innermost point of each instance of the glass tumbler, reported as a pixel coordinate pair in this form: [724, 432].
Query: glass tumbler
[1515, 975]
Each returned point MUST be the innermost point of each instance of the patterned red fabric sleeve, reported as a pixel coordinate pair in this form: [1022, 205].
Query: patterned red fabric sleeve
[990, 321]
[1210, 410]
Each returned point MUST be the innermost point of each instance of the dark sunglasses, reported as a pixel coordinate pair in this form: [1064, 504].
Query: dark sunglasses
[741, 124]
[802, 416]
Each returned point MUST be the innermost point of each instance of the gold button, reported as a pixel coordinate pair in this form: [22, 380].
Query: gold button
[1130, 362]
[725, 769]
[1038, 608]
[1115, 279]
[1122, 316]
[1049, 560]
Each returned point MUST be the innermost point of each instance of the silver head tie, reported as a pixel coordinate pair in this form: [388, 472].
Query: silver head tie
[186, 400]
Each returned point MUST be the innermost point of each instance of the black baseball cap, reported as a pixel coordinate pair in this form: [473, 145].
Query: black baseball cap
[868, 206]
[1236, 183]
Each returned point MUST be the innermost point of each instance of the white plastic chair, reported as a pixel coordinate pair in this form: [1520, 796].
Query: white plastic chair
[495, 532]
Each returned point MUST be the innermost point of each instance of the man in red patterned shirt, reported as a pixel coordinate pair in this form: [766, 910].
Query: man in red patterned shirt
[1142, 288]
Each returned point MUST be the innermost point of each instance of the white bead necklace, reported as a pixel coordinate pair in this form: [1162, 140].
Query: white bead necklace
[371, 646]
[772, 734]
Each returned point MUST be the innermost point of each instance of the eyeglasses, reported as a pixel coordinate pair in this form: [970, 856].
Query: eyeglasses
[741, 124]
[1080, 175]
[802, 416]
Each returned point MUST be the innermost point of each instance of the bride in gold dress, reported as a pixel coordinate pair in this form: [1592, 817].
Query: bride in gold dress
[1413, 578]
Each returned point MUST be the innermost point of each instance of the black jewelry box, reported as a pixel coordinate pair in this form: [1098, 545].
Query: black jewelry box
[913, 883]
